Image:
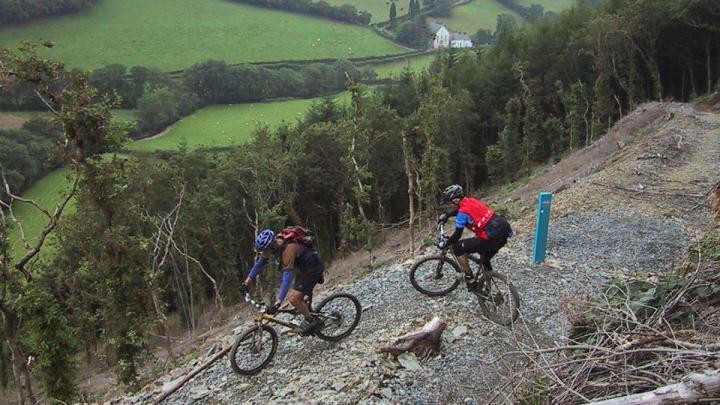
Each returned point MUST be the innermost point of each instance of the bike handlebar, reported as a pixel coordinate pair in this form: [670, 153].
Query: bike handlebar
[259, 305]
[441, 231]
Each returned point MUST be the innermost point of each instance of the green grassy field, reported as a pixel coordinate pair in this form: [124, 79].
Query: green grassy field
[477, 14]
[46, 193]
[549, 5]
[226, 125]
[124, 116]
[175, 34]
[417, 64]
[380, 9]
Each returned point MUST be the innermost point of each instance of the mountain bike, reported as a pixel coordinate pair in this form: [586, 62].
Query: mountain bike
[438, 275]
[256, 346]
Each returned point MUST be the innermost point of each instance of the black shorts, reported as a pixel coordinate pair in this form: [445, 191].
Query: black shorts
[487, 248]
[305, 281]
[498, 229]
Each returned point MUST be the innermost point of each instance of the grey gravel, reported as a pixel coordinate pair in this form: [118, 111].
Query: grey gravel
[601, 234]
[474, 349]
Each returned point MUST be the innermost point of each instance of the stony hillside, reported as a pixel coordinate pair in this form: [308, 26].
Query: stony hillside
[632, 202]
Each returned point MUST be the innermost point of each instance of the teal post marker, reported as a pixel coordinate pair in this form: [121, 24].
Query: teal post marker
[541, 230]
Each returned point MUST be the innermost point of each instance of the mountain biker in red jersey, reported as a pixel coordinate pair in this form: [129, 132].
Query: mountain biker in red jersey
[299, 263]
[491, 230]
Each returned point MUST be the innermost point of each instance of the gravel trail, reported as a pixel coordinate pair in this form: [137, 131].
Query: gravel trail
[634, 214]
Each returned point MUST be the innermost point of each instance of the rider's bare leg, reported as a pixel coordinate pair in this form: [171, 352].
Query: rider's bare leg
[296, 299]
[464, 264]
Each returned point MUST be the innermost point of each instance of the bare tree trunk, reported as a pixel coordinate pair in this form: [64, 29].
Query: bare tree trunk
[709, 68]
[692, 81]
[411, 191]
[588, 134]
[165, 327]
[361, 186]
[20, 369]
[626, 87]
[419, 191]
[620, 109]
[192, 296]
[682, 87]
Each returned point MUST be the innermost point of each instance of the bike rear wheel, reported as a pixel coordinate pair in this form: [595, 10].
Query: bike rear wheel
[435, 275]
[253, 349]
[340, 314]
[498, 298]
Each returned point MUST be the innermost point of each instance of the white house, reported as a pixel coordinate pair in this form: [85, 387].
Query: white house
[460, 41]
[442, 38]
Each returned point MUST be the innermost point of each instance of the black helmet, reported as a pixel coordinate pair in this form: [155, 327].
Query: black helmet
[454, 192]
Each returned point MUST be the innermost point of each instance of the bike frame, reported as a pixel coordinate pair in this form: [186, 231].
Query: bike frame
[477, 258]
[262, 317]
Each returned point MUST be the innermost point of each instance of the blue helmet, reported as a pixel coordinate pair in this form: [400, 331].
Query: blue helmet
[265, 239]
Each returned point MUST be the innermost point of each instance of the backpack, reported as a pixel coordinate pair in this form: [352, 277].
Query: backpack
[299, 234]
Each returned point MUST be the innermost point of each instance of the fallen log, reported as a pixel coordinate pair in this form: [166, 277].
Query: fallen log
[192, 374]
[694, 387]
[421, 343]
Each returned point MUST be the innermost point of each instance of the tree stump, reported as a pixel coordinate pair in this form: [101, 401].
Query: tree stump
[421, 343]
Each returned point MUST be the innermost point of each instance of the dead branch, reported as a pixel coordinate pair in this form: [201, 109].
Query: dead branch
[192, 374]
[411, 191]
[694, 387]
[53, 221]
[186, 256]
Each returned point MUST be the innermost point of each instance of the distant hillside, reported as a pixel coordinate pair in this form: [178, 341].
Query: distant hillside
[476, 15]
[171, 35]
[14, 12]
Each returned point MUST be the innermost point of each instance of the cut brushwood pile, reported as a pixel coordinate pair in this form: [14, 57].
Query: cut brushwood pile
[421, 343]
[646, 335]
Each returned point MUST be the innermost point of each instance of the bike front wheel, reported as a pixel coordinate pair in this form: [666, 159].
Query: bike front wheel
[253, 349]
[340, 314]
[499, 300]
[435, 275]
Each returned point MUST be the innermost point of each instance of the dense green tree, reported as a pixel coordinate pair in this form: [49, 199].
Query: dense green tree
[347, 13]
[52, 340]
[111, 81]
[14, 11]
[412, 11]
[393, 11]
[442, 8]
[482, 37]
[414, 33]
[87, 133]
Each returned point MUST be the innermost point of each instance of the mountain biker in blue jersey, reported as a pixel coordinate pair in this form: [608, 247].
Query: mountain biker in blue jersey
[491, 230]
[299, 263]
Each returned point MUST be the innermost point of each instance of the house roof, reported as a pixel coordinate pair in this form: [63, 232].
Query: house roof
[435, 27]
[457, 36]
